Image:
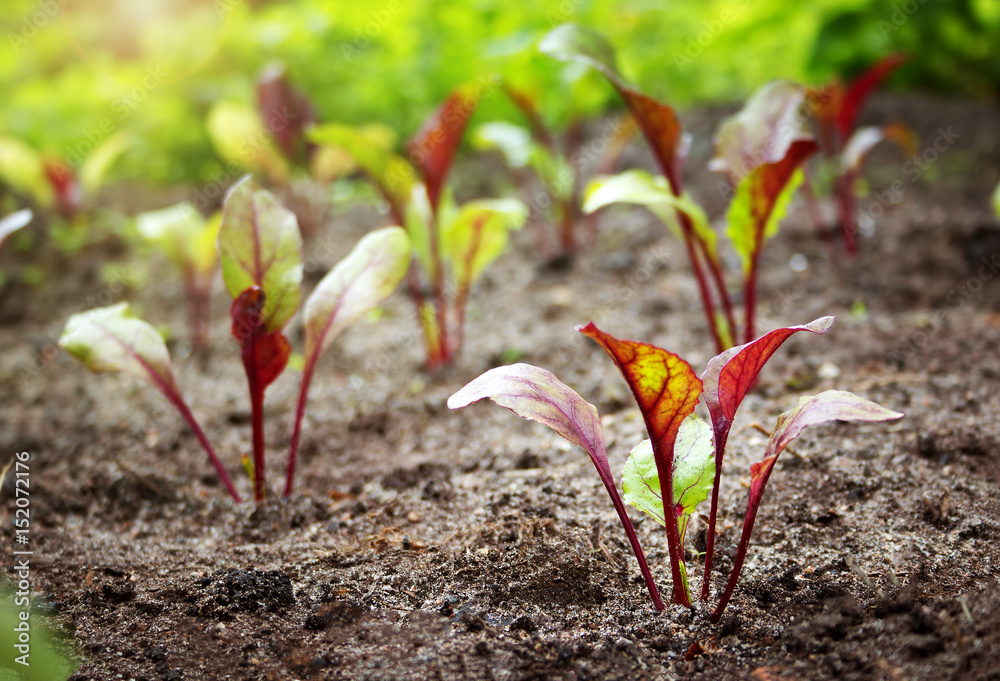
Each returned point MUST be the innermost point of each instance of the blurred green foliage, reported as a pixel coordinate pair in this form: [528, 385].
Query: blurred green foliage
[76, 71]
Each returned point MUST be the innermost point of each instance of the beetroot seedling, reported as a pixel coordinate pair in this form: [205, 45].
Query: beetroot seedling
[451, 244]
[835, 108]
[537, 395]
[188, 241]
[681, 462]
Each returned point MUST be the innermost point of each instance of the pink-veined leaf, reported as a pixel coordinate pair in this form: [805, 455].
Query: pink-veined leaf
[113, 340]
[260, 245]
[832, 405]
[537, 395]
[363, 280]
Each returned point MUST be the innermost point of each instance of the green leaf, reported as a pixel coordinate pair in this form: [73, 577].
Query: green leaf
[694, 473]
[572, 42]
[478, 235]
[513, 141]
[372, 147]
[640, 188]
[418, 227]
[22, 168]
[93, 170]
[996, 201]
[742, 225]
[184, 237]
[112, 339]
[260, 245]
[46, 661]
[240, 137]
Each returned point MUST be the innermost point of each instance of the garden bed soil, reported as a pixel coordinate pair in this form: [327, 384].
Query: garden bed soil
[423, 543]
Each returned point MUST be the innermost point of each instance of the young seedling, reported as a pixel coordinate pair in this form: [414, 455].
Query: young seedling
[261, 252]
[761, 149]
[554, 158]
[452, 245]
[835, 108]
[188, 241]
[537, 395]
[662, 130]
[112, 339]
[682, 459]
[359, 283]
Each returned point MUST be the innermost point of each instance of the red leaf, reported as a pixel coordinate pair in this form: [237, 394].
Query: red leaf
[660, 127]
[728, 377]
[861, 89]
[667, 391]
[727, 380]
[432, 149]
[265, 354]
[286, 113]
[66, 186]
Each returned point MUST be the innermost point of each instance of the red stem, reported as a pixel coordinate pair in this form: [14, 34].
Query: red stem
[750, 293]
[721, 435]
[720, 284]
[633, 540]
[699, 274]
[300, 410]
[182, 407]
[256, 415]
[741, 551]
[664, 467]
[566, 226]
[845, 206]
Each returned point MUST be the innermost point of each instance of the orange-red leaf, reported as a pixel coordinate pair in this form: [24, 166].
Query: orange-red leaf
[432, 149]
[664, 385]
[861, 89]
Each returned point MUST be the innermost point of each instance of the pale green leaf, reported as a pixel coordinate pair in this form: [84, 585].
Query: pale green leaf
[373, 148]
[694, 473]
[260, 245]
[96, 166]
[575, 43]
[513, 141]
[184, 237]
[366, 278]
[240, 137]
[477, 235]
[112, 339]
[23, 169]
[640, 188]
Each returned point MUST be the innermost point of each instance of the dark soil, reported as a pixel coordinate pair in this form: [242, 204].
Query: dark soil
[428, 544]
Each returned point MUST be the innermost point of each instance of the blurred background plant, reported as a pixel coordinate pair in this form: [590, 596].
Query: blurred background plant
[75, 72]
